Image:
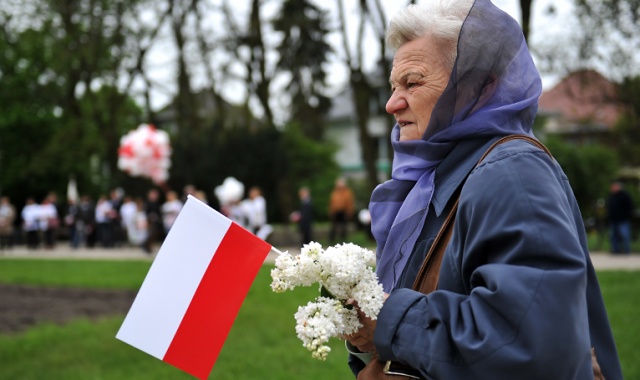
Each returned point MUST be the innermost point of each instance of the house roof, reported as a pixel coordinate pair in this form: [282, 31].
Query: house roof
[584, 97]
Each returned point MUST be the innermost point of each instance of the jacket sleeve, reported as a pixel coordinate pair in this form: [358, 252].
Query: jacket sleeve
[519, 310]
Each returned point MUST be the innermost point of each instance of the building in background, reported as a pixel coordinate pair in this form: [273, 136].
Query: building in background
[582, 108]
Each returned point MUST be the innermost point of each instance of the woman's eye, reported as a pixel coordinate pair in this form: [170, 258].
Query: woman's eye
[411, 84]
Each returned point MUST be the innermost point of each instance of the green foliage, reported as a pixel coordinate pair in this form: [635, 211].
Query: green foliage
[630, 94]
[590, 169]
[107, 115]
[311, 164]
[27, 121]
[304, 53]
[626, 134]
[62, 112]
[67, 70]
[279, 162]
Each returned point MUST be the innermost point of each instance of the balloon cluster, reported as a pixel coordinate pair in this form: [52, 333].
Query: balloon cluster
[145, 152]
[231, 191]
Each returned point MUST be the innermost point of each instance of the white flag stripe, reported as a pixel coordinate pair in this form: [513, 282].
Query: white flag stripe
[173, 278]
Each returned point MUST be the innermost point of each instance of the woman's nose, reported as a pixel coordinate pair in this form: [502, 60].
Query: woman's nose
[395, 103]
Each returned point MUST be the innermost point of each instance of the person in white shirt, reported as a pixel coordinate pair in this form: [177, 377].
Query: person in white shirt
[7, 217]
[127, 213]
[255, 213]
[138, 226]
[49, 221]
[104, 213]
[31, 223]
[170, 210]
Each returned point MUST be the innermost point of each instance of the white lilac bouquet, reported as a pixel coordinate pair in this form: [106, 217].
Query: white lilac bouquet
[345, 275]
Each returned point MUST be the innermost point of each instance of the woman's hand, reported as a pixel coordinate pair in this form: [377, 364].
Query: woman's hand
[363, 338]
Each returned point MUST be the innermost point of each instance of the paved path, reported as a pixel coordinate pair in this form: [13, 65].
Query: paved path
[601, 261]
[63, 251]
[607, 261]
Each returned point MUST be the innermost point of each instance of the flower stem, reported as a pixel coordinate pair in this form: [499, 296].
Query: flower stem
[324, 292]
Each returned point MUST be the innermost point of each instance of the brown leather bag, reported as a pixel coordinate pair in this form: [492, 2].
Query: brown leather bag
[427, 281]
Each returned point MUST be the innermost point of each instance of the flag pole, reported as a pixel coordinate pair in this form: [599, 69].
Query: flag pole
[275, 250]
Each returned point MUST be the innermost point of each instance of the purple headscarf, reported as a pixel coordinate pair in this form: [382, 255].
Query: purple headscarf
[493, 91]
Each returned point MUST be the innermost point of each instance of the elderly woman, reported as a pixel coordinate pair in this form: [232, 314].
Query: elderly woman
[517, 294]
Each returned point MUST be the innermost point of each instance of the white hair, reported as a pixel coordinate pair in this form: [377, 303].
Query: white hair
[440, 19]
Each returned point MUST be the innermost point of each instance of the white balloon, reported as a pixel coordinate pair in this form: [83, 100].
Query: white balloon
[364, 216]
[230, 191]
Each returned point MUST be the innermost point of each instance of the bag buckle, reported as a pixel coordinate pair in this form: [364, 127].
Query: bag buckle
[391, 368]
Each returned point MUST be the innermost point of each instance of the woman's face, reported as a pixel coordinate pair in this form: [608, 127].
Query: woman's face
[418, 78]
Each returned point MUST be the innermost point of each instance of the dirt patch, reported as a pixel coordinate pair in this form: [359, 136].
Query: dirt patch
[22, 307]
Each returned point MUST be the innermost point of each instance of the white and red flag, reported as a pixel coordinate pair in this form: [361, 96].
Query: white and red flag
[193, 291]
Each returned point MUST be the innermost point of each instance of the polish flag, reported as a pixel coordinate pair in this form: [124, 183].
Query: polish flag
[193, 291]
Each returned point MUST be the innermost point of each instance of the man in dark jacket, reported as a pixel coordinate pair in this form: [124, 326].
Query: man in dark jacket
[305, 215]
[619, 214]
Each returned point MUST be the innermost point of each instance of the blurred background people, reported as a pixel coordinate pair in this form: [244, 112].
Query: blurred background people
[69, 219]
[188, 189]
[116, 198]
[619, 214]
[127, 214]
[201, 195]
[153, 208]
[86, 230]
[49, 221]
[31, 222]
[229, 195]
[170, 210]
[7, 218]
[304, 215]
[138, 227]
[255, 213]
[103, 215]
[341, 208]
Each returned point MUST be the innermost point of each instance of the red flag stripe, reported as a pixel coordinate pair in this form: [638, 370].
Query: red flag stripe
[216, 302]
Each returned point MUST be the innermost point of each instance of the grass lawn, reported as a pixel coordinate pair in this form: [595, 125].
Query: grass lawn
[601, 243]
[261, 345]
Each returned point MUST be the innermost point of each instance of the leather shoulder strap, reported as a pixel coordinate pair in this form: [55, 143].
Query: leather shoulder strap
[427, 279]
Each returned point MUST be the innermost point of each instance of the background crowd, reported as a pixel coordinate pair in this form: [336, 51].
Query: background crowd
[113, 220]
[120, 219]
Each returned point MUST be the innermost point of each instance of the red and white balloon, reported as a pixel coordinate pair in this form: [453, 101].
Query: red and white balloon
[145, 152]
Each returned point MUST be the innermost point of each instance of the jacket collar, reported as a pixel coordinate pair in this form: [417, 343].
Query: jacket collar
[455, 168]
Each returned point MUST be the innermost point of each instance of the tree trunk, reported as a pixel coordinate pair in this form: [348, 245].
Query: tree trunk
[525, 6]
[361, 95]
